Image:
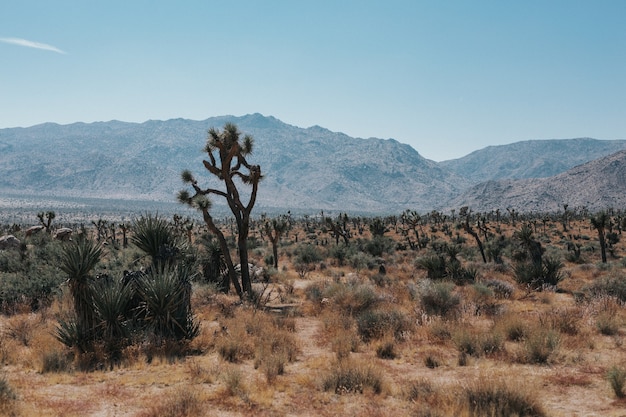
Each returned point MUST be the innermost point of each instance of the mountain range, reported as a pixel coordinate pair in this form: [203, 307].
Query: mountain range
[305, 169]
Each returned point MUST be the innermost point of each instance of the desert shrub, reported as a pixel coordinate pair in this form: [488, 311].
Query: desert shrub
[613, 285]
[340, 253]
[387, 349]
[374, 324]
[181, 403]
[315, 292]
[567, 320]
[8, 398]
[55, 361]
[348, 377]
[36, 287]
[236, 347]
[607, 319]
[512, 327]
[308, 254]
[273, 365]
[378, 246]
[476, 343]
[274, 348]
[438, 298]
[11, 261]
[501, 289]
[487, 398]
[20, 328]
[234, 382]
[361, 260]
[418, 391]
[6, 392]
[540, 346]
[352, 298]
[617, 378]
[432, 361]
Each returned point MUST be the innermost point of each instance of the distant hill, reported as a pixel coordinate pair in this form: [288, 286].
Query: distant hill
[310, 169]
[530, 159]
[597, 185]
[305, 169]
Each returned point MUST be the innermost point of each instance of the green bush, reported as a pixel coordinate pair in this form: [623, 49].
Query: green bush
[378, 246]
[308, 254]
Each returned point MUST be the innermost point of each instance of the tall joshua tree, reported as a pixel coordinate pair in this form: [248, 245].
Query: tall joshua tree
[227, 163]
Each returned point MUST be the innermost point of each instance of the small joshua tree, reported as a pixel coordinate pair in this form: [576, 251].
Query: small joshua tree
[274, 229]
[600, 222]
[227, 163]
[50, 215]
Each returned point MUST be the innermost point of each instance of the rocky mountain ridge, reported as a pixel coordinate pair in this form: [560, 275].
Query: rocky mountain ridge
[305, 168]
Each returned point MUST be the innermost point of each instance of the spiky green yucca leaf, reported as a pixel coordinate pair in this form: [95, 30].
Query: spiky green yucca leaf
[156, 238]
[165, 293]
[74, 334]
[77, 261]
[110, 302]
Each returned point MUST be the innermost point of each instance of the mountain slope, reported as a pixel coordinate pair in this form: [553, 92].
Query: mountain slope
[309, 169]
[531, 159]
[597, 185]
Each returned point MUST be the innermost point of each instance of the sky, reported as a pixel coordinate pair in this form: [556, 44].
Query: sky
[446, 77]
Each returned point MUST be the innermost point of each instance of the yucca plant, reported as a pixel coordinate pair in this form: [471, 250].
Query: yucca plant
[156, 237]
[73, 334]
[77, 261]
[110, 302]
[165, 296]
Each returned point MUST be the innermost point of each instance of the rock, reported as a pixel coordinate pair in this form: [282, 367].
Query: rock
[9, 242]
[63, 234]
[33, 230]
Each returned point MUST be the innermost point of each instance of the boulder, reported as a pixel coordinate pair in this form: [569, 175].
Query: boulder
[33, 230]
[9, 242]
[63, 233]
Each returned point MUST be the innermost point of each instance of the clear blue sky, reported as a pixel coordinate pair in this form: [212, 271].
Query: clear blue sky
[446, 77]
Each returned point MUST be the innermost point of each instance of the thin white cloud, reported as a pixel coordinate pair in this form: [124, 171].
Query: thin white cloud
[31, 44]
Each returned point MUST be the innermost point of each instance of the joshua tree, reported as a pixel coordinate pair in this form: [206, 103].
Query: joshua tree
[465, 214]
[339, 228]
[412, 220]
[227, 163]
[50, 215]
[599, 222]
[274, 230]
[124, 227]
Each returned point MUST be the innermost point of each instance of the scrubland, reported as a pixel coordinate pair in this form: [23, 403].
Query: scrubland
[389, 322]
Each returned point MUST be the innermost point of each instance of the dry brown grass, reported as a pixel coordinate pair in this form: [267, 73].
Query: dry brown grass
[544, 351]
